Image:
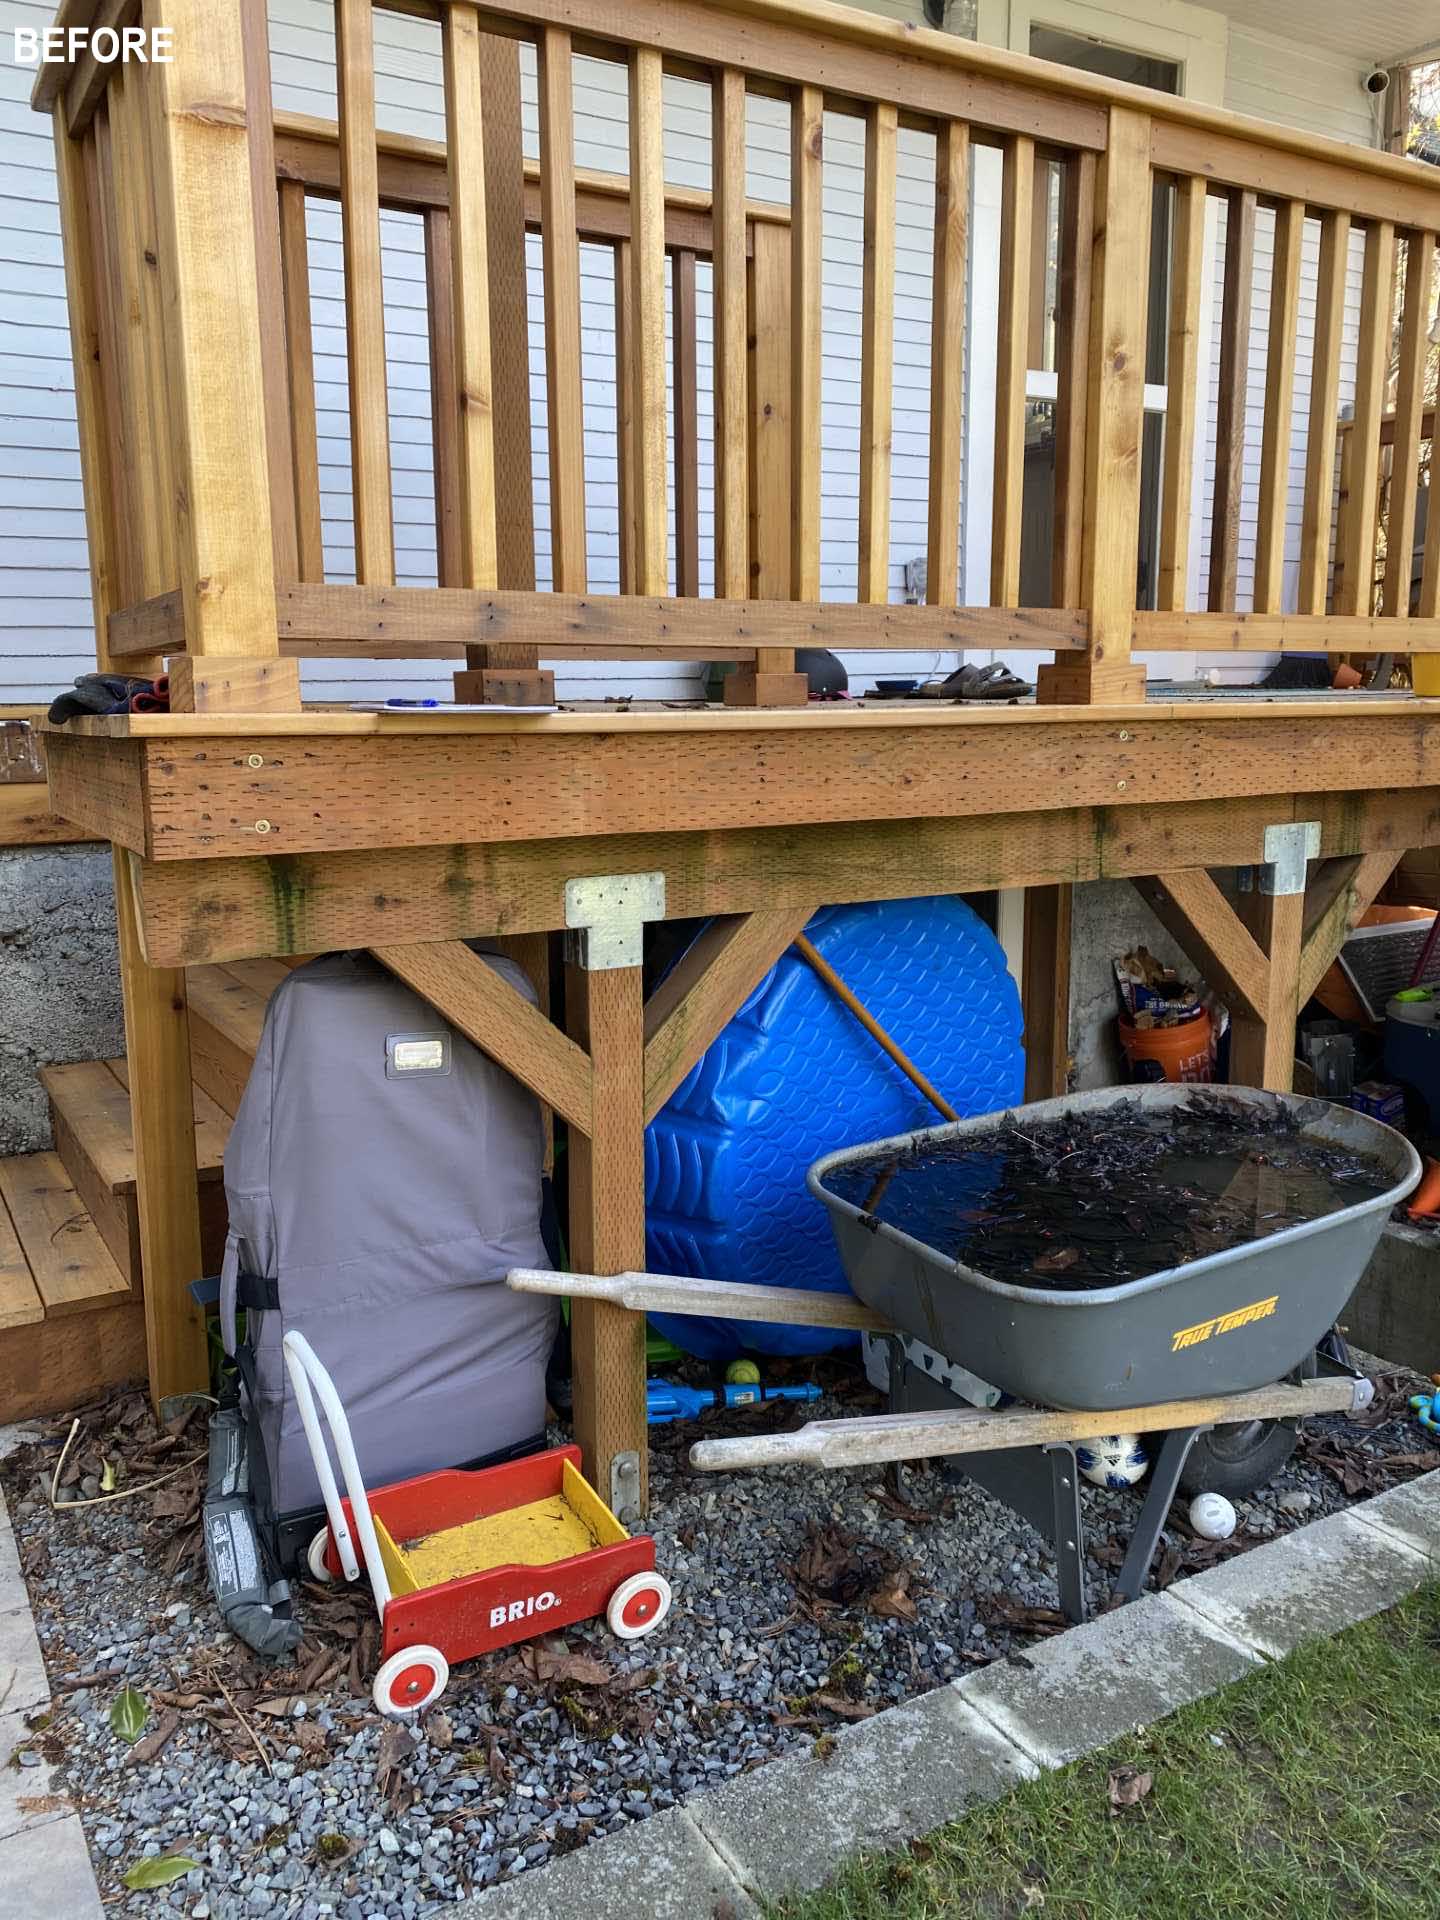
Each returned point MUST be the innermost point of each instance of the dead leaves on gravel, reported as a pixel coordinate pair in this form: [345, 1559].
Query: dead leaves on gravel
[836, 1570]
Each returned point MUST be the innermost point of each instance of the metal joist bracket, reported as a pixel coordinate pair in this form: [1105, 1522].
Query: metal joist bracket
[1288, 849]
[605, 917]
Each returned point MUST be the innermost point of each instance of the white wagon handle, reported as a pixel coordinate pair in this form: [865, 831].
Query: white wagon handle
[307, 1373]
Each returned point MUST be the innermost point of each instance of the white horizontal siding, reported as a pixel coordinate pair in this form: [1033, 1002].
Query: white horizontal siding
[46, 636]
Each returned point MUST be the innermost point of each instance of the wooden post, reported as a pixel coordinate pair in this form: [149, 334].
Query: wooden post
[1119, 273]
[208, 265]
[1262, 1052]
[1045, 990]
[607, 1218]
[157, 1044]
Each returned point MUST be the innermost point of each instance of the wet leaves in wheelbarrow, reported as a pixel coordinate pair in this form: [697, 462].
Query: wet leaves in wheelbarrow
[1101, 1197]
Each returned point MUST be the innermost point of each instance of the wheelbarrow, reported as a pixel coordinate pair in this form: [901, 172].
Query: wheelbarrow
[1217, 1343]
[461, 1562]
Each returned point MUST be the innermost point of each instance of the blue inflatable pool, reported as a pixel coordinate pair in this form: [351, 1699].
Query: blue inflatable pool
[795, 1075]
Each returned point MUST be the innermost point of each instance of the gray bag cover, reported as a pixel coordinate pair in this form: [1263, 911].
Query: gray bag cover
[389, 1207]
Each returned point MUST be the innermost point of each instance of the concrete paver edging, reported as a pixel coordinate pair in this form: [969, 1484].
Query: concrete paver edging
[790, 1826]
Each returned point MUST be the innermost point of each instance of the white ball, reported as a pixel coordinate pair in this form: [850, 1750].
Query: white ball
[1116, 1460]
[1212, 1516]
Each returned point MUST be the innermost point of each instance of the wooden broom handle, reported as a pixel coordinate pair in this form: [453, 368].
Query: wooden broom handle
[871, 1025]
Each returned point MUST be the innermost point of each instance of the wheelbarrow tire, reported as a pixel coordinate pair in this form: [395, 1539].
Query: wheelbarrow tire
[315, 1556]
[1238, 1459]
[638, 1605]
[409, 1681]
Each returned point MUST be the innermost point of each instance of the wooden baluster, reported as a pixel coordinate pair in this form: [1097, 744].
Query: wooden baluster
[364, 293]
[300, 380]
[727, 149]
[806, 137]
[1324, 412]
[77, 183]
[562, 311]
[1279, 399]
[1230, 408]
[1072, 364]
[647, 309]
[1354, 592]
[470, 293]
[947, 365]
[768, 427]
[627, 500]
[444, 397]
[877, 353]
[509, 318]
[100, 185]
[1119, 275]
[687, 424]
[1182, 392]
[788, 291]
[255, 32]
[1012, 354]
[146, 422]
[1409, 408]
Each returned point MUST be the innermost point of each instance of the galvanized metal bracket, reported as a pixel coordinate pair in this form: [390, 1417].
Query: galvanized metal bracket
[605, 917]
[625, 1488]
[1287, 849]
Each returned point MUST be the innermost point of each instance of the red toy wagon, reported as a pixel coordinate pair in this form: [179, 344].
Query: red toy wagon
[461, 1563]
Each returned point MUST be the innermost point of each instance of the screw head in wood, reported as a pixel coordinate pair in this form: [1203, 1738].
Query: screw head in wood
[254, 759]
[262, 826]
[1124, 734]
[1120, 785]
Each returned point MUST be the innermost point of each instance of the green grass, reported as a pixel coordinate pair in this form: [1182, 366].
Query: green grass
[1310, 1789]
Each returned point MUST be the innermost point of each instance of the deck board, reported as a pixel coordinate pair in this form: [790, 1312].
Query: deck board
[73, 1271]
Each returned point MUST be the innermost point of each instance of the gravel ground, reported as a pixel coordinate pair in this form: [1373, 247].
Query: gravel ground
[802, 1600]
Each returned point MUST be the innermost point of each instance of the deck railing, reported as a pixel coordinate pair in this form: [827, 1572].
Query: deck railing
[184, 201]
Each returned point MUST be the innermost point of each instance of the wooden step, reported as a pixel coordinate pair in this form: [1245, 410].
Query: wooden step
[90, 1113]
[227, 1012]
[70, 1326]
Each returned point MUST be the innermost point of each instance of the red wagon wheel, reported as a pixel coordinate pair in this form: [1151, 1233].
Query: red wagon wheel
[409, 1680]
[638, 1605]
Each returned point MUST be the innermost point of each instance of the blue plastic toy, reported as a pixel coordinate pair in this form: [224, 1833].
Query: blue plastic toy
[1426, 1410]
[666, 1401]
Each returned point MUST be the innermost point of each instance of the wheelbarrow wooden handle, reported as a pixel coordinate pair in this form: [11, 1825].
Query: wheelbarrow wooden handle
[917, 1436]
[685, 1293]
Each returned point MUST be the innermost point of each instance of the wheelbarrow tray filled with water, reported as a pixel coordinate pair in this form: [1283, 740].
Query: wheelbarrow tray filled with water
[1224, 1323]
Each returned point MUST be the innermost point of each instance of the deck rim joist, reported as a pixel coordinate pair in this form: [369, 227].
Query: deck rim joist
[201, 792]
[222, 910]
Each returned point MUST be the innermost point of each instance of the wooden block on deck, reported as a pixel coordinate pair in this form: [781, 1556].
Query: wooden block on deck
[505, 687]
[202, 685]
[52, 1365]
[747, 688]
[1086, 683]
[73, 1272]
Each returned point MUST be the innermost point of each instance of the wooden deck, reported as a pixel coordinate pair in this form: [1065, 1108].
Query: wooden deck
[246, 828]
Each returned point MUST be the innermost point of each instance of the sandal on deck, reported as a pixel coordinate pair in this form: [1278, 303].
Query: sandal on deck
[971, 682]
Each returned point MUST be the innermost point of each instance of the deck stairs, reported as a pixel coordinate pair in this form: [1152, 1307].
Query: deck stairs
[71, 1316]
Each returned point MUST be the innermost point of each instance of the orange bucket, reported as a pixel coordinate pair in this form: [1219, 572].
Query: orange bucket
[1183, 1051]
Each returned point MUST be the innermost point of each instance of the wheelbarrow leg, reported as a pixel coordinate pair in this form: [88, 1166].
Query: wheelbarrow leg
[1164, 1479]
[1069, 1531]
